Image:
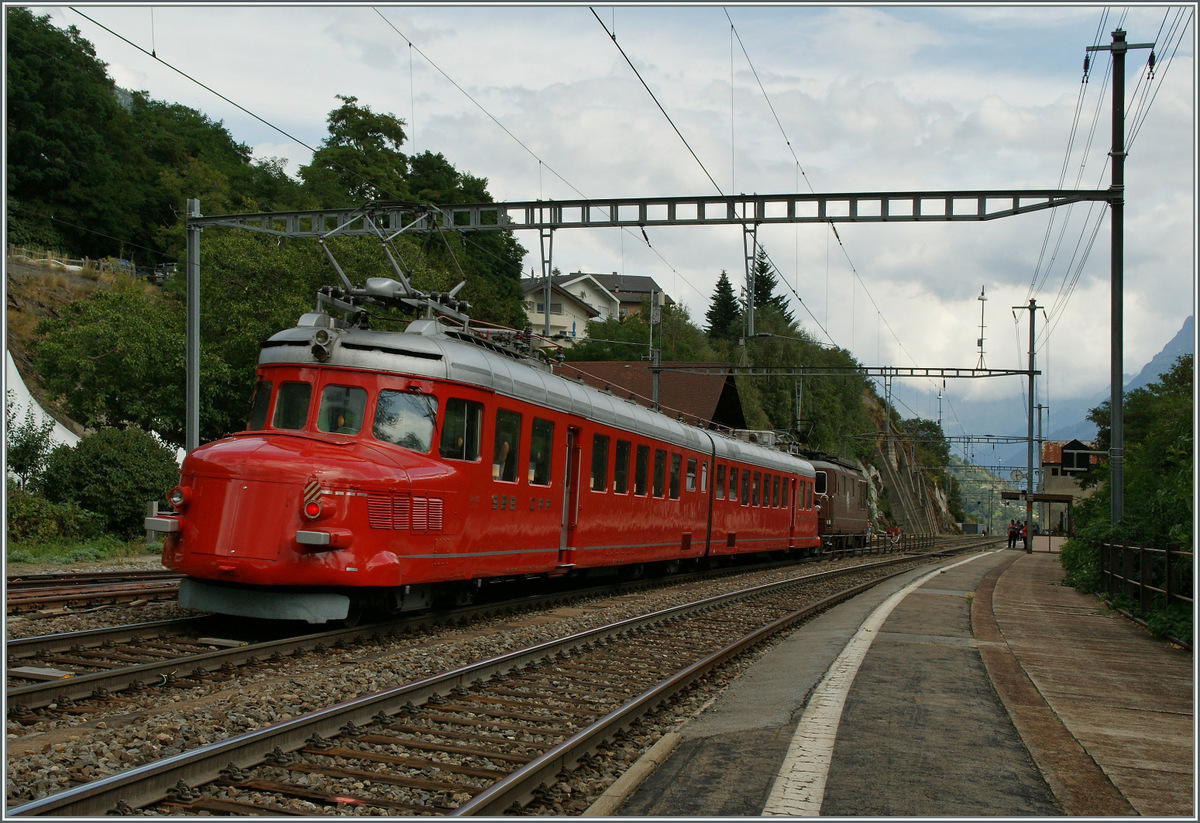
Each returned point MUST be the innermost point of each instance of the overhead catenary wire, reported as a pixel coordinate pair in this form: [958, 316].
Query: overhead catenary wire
[542, 164]
[832, 226]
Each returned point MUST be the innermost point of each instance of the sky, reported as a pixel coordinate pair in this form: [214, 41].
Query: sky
[770, 99]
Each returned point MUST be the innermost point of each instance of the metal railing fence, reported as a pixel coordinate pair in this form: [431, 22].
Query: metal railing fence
[1147, 574]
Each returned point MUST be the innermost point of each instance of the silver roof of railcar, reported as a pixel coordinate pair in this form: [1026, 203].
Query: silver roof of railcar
[425, 349]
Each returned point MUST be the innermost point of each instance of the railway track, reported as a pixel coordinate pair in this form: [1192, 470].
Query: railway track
[68, 670]
[478, 738]
[25, 594]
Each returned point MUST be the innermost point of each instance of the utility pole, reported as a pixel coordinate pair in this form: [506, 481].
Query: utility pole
[192, 402]
[982, 304]
[1116, 454]
[1029, 454]
[547, 257]
[655, 352]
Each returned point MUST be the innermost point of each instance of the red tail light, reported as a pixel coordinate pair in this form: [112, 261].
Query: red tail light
[312, 509]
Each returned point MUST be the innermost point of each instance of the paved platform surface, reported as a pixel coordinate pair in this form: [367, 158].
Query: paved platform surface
[983, 689]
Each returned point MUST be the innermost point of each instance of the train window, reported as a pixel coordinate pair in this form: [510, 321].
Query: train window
[460, 429]
[258, 408]
[745, 487]
[640, 470]
[733, 483]
[690, 478]
[291, 406]
[506, 445]
[599, 462]
[541, 447]
[676, 464]
[405, 419]
[342, 409]
[783, 493]
[775, 491]
[719, 485]
[704, 477]
[621, 468]
[660, 472]
[820, 482]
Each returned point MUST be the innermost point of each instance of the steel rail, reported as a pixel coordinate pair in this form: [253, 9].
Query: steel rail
[518, 789]
[63, 641]
[49, 580]
[150, 783]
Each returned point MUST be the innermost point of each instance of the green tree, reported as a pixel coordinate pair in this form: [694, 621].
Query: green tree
[360, 160]
[27, 444]
[106, 359]
[724, 316]
[765, 281]
[113, 473]
[66, 139]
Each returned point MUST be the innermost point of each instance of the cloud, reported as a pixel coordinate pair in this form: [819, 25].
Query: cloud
[856, 99]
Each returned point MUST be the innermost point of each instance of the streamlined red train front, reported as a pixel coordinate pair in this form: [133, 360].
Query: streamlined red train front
[297, 517]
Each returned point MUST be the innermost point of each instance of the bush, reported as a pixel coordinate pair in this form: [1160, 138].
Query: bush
[1081, 561]
[113, 473]
[34, 519]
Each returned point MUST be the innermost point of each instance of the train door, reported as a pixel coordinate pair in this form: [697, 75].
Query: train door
[792, 504]
[570, 511]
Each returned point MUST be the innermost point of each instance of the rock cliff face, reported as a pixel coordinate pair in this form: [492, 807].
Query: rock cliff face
[901, 494]
[916, 504]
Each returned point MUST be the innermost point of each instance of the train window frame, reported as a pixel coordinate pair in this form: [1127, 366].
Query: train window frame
[641, 470]
[745, 500]
[719, 482]
[676, 469]
[287, 406]
[755, 488]
[541, 452]
[704, 477]
[621, 466]
[775, 491]
[733, 484]
[461, 440]
[658, 480]
[820, 483]
[341, 414]
[599, 480]
[397, 425]
[506, 445]
[260, 404]
[783, 493]
[689, 476]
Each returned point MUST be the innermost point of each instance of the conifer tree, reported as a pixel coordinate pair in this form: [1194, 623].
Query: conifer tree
[764, 287]
[724, 315]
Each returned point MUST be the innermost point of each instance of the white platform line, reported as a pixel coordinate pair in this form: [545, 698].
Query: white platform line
[799, 787]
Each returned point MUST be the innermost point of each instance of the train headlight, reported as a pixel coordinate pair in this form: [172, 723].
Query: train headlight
[322, 345]
[178, 497]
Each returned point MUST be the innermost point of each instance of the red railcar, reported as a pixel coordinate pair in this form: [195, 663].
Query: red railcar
[397, 468]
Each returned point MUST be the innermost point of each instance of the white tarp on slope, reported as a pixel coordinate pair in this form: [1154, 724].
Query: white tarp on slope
[22, 401]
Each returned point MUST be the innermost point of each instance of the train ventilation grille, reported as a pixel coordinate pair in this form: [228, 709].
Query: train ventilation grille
[423, 514]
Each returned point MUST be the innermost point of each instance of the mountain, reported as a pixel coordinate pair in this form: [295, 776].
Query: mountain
[1184, 342]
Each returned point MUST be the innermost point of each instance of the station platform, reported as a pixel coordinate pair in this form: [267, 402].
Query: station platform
[981, 688]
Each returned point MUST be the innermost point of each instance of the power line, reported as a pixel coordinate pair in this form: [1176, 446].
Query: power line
[541, 163]
[213, 91]
[646, 86]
